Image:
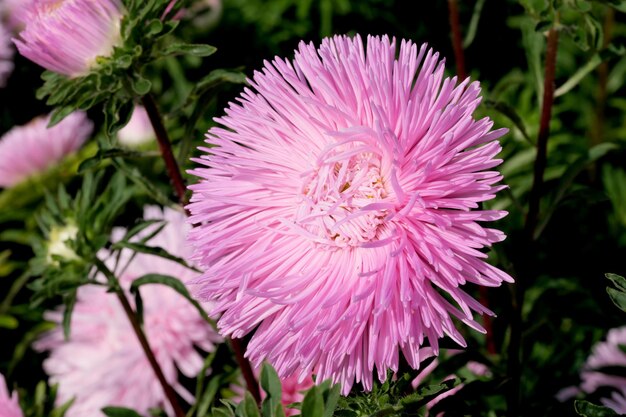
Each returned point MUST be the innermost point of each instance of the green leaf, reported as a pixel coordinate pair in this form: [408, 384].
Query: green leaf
[331, 400]
[511, 114]
[248, 407]
[173, 283]
[200, 50]
[619, 281]
[70, 302]
[473, 25]
[120, 412]
[151, 250]
[587, 409]
[270, 382]
[61, 410]
[59, 114]
[618, 298]
[313, 403]
[8, 322]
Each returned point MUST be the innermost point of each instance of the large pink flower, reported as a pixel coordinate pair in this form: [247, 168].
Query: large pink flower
[31, 149]
[66, 36]
[335, 209]
[9, 405]
[607, 354]
[102, 363]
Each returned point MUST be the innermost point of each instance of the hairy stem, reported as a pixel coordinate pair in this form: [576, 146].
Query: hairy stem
[143, 340]
[171, 165]
[457, 39]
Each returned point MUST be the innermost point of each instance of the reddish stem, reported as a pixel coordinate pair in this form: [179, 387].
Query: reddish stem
[457, 39]
[544, 132]
[246, 369]
[143, 340]
[171, 165]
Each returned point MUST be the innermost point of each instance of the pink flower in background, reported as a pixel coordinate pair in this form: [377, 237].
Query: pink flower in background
[9, 405]
[6, 55]
[66, 36]
[607, 354]
[336, 206]
[31, 149]
[14, 13]
[138, 130]
[102, 363]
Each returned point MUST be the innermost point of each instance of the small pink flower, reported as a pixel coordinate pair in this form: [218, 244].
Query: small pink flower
[66, 36]
[607, 354]
[31, 149]
[339, 199]
[138, 131]
[6, 55]
[102, 363]
[9, 405]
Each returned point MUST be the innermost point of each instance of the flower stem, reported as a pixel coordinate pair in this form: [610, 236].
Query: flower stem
[143, 340]
[246, 369]
[178, 183]
[457, 39]
[173, 170]
[544, 132]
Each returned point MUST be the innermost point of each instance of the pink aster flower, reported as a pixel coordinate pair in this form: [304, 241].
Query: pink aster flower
[31, 149]
[6, 55]
[604, 355]
[66, 36]
[336, 207]
[138, 131]
[102, 363]
[14, 13]
[9, 406]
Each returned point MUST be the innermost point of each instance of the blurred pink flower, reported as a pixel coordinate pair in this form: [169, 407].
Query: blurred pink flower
[607, 354]
[14, 13]
[138, 130]
[102, 363]
[9, 405]
[336, 207]
[32, 148]
[6, 55]
[66, 36]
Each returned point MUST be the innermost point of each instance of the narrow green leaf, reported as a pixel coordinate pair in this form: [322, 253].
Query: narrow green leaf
[59, 114]
[173, 283]
[60, 410]
[120, 412]
[473, 25]
[200, 50]
[70, 302]
[151, 250]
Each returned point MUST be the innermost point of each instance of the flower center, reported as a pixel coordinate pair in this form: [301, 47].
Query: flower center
[343, 201]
